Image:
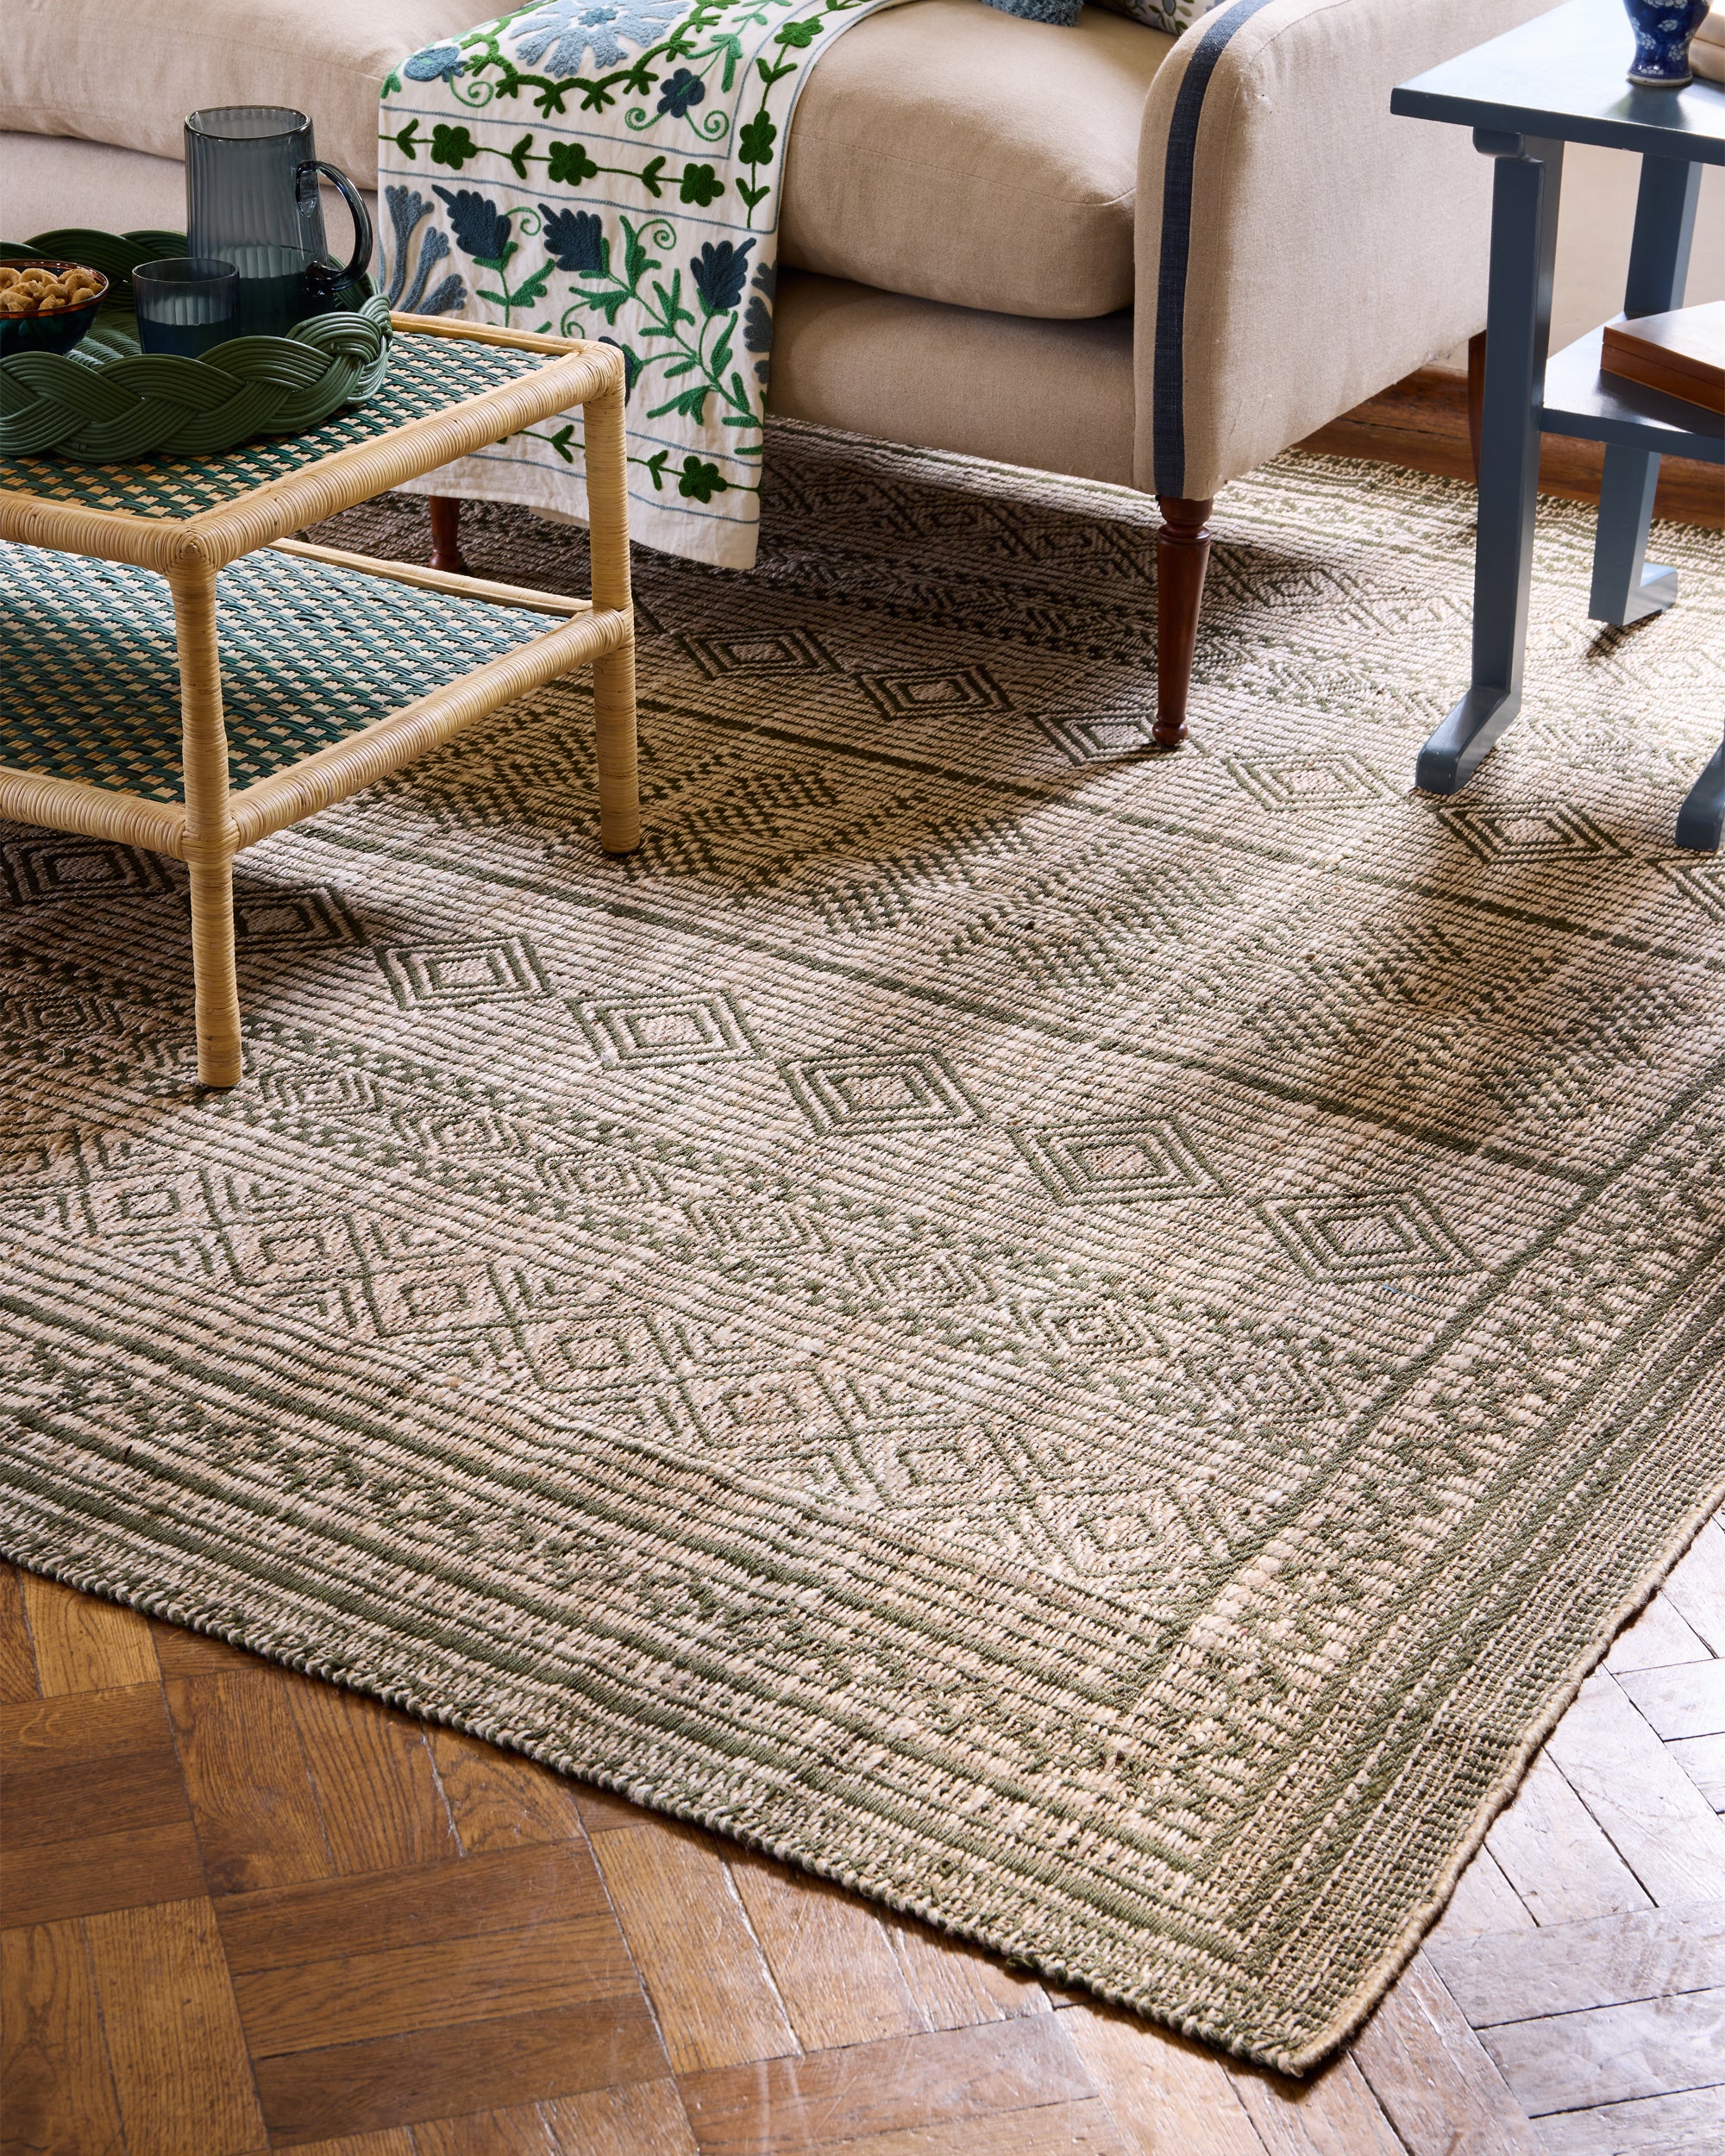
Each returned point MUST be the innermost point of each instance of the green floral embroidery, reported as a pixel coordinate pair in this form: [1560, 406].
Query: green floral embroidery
[453, 146]
[569, 165]
[700, 185]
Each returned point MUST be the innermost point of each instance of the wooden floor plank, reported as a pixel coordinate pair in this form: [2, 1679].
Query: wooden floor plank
[354, 1997]
[1697, 1589]
[173, 2036]
[59, 2093]
[1689, 2124]
[40, 1883]
[398, 2142]
[1570, 2062]
[17, 1663]
[499, 1799]
[180, 1652]
[774, 2107]
[1558, 1857]
[1657, 1639]
[1483, 1902]
[1658, 1821]
[247, 1782]
[602, 1813]
[1703, 1760]
[437, 2073]
[83, 1644]
[84, 1728]
[56, 1804]
[1052, 2129]
[377, 1792]
[830, 1956]
[685, 1926]
[1333, 2113]
[504, 1891]
[1163, 2093]
[1608, 1961]
[1435, 2083]
[1688, 1702]
[520, 2131]
[955, 1986]
[645, 2120]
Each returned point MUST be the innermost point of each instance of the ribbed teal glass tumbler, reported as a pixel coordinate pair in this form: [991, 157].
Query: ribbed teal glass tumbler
[186, 303]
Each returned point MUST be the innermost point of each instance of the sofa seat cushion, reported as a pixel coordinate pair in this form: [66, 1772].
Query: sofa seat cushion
[949, 152]
[129, 75]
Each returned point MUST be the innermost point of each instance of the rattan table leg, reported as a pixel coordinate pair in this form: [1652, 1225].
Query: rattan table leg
[619, 799]
[211, 839]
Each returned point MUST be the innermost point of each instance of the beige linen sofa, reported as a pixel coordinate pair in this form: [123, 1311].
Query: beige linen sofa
[1098, 250]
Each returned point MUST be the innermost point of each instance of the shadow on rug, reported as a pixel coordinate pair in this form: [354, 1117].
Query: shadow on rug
[1089, 1343]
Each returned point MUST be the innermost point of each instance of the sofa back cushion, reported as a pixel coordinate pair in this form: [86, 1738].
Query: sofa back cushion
[129, 74]
[949, 151]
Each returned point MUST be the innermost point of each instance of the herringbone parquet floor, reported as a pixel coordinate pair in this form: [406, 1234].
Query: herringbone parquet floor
[245, 1911]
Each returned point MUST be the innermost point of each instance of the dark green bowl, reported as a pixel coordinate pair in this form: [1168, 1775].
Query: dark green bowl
[47, 333]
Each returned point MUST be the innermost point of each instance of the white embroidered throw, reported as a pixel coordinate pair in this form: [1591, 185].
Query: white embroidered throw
[610, 168]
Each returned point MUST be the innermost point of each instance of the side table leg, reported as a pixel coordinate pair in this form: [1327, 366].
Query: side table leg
[619, 800]
[1701, 820]
[1627, 587]
[210, 834]
[1524, 231]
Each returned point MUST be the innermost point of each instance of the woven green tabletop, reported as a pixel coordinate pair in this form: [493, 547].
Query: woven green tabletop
[427, 374]
[310, 653]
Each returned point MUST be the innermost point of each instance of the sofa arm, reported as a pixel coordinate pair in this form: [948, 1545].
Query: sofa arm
[1298, 248]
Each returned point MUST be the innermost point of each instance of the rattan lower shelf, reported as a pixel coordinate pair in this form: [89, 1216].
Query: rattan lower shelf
[158, 701]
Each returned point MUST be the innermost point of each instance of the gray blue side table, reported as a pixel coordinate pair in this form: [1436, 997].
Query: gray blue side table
[1561, 78]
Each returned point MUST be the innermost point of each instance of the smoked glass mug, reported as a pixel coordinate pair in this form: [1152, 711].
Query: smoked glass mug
[252, 175]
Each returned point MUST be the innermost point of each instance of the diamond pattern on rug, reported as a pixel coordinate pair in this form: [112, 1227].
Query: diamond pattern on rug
[658, 1031]
[1366, 1237]
[861, 1095]
[464, 973]
[1537, 831]
[1106, 1163]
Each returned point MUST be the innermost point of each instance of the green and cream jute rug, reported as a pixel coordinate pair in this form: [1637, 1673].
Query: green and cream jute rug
[1089, 1342]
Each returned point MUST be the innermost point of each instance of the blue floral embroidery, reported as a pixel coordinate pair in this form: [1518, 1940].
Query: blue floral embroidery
[575, 238]
[558, 36]
[481, 229]
[757, 318]
[681, 90]
[437, 63]
[717, 273]
[407, 212]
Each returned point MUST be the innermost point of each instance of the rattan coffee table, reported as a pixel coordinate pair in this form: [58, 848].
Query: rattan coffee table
[333, 677]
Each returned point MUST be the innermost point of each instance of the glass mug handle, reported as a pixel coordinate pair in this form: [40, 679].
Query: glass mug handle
[356, 209]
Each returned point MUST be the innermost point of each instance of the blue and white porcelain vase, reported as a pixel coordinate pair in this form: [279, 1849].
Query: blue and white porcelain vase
[1663, 30]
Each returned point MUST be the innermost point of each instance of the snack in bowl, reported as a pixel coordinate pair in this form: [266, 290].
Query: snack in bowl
[46, 306]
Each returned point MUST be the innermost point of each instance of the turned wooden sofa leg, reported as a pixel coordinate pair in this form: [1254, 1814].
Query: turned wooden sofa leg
[445, 534]
[1182, 551]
